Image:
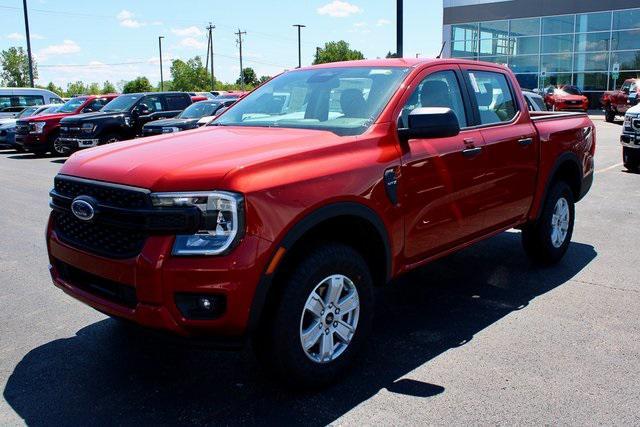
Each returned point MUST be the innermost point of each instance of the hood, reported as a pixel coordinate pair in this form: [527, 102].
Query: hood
[45, 117]
[569, 97]
[180, 123]
[4, 124]
[89, 117]
[634, 110]
[194, 160]
[206, 119]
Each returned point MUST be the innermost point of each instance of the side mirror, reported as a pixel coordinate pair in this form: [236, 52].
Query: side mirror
[431, 122]
[88, 110]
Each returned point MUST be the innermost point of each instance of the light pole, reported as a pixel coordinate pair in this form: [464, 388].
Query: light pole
[26, 28]
[399, 24]
[160, 49]
[300, 26]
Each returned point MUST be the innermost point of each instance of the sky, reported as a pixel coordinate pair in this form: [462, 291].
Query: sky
[116, 40]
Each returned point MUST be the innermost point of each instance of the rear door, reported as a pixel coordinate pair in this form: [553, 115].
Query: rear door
[511, 145]
[441, 179]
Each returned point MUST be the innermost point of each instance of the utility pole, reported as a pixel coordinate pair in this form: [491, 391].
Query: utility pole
[160, 49]
[26, 27]
[299, 49]
[399, 28]
[239, 41]
[210, 49]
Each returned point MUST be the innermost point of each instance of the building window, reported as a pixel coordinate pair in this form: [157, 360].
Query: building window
[525, 27]
[524, 64]
[625, 40]
[556, 63]
[555, 80]
[626, 19]
[629, 60]
[557, 44]
[591, 61]
[592, 42]
[591, 81]
[525, 45]
[527, 81]
[599, 21]
[558, 24]
[494, 29]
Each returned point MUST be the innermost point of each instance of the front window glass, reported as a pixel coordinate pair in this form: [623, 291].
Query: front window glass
[28, 112]
[72, 105]
[199, 109]
[121, 103]
[344, 100]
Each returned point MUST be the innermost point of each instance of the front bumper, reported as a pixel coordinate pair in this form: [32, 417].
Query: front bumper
[562, 106]
[630, 140]
[154, 278]
[73, 144]
[33, 142]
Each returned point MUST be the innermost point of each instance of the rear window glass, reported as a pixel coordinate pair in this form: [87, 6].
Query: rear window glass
[493, 95]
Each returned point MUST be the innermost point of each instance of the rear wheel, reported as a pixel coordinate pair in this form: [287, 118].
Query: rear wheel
[321, 320]
[547, 240]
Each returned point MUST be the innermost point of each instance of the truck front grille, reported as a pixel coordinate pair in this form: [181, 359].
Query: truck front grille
[108, 194]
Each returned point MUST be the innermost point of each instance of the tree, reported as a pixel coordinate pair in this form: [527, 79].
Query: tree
[391, 55]
[77, 88]
[108, 87]
[264, 79]
[93, 89]
[190, 76]
[336, 51]
[139, 84]
[55, 89]
[15, 67]
[248, 77]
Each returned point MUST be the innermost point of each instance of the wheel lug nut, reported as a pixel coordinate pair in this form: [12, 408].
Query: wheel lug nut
[326, 331]
[337, 311]
[322, 312]
[335, 324]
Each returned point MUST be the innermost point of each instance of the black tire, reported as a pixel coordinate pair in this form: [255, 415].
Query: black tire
[537, 238]
[109, 138]
[631, 159]
[54, 148]
[278, 343]
[609, 115]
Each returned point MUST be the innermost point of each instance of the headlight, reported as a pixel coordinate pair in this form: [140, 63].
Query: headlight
[221, 226]
[127, 121]
[88, 128]
[170, 129]
[37, 127]
[627, 120]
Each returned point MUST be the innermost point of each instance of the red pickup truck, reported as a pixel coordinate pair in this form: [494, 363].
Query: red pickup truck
[275, 222]
[39, 134]
[617, 102]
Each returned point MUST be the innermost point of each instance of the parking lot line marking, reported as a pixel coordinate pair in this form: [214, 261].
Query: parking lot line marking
[617, 165]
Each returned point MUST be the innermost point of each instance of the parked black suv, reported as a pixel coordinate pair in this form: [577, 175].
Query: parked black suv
[120, 119]
[197, 114]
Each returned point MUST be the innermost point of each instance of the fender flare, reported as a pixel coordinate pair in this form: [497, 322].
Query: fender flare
[567, 156]
[298, 231]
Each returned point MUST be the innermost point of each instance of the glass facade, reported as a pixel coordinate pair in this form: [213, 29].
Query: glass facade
[580, 49]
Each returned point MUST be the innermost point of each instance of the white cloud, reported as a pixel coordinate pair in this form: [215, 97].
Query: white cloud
[15, 36]
[37, 36]
[192, 31]
[360, 24]
[127, 20]
[382, 22]
[338, 9]
[192, 43]
[66, 48]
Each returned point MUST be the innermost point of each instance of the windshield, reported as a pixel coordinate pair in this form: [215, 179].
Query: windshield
[50, 110]
[199, 109]
[72, 105]
[345, 100]
[28, 112]
[121, 103]
[568, 90]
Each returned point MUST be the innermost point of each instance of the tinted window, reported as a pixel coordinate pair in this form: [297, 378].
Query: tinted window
[525, 27]
[623, 19]
[177, 102]
[73, 104]
[493, 95]
[600, 21]
[150, 104]
[97, 104]
[440, 89]
[557, 24]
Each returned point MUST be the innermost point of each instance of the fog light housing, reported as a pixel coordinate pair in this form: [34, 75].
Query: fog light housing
[201, 306]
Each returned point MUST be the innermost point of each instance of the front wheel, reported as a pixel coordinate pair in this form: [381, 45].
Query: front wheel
[56, 147]
[631, 159]
[547, 240]
[321, 320]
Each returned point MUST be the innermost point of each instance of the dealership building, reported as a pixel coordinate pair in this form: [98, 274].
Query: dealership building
[591, 44]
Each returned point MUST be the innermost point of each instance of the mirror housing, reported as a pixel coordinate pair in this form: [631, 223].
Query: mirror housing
[431, 122]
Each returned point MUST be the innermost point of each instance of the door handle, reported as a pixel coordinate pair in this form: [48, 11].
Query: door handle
[525, 141]
[470, 152]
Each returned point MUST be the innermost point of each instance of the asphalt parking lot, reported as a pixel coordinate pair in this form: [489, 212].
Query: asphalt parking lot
[480, 337]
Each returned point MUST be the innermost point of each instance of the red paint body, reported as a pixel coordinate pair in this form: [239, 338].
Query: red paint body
[40, 142]
[445, 201]
[618, 100]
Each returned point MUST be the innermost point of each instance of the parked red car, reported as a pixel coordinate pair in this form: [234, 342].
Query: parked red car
[565, 98]
[617, 102]
[276, 222]
[40, 134]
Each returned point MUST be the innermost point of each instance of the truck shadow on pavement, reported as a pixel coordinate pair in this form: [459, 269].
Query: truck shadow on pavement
[108, 374]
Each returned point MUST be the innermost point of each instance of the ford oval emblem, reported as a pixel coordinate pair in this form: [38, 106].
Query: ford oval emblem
[83, 210]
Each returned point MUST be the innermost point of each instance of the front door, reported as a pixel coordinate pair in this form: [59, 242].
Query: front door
[441, 179]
